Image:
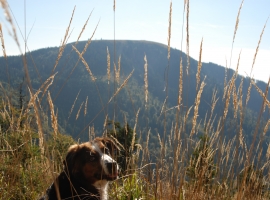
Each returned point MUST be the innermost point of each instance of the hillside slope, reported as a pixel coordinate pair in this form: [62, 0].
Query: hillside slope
[73, 78]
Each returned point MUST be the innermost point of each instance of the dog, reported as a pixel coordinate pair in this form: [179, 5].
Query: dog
[88, 168]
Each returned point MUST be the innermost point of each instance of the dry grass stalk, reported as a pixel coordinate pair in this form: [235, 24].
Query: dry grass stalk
[46, 86]
[250, 152]
[255, 55]
[105, 126]
[134, 131]
[78, 113]
[257, 49]
[225, 88]
[108, 66]
[92, 130]
[218, 129]
[84, 50]
[266, 93]
[90, 73]
[162, 108]
[63, 45]
[198, 75]
[238, 63]
[85, 63]
[235, 103]
[53, 116]
[186, 118]
[228, 96]
[2, 42]
[147, 138]
[68, 36]
[5, 6]
[114, 129]
[249, 90]
[114, 5]
[196, 108]
[268, 151]
[19, 121]
[38, 120]
[117, 71]
[240, 103]
[169, 31]
[85, 106]
[32, 102]
[7, 114]
[225, 77]
[211, 127]
[89, 134]
[121, 87]
[263, 95]
[146, 154]
[235, 28]
[187, 29]
[237, 20]
[85, 24]
[206, 117]
[160, 142]
[89, 40]
[214, 102]
[171, 108]
[213, 105]
[70, 112]
[83, 28]
[145, 81]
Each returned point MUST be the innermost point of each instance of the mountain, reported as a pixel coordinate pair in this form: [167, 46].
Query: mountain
[72, 79]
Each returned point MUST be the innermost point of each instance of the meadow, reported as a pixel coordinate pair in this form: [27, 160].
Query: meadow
[184, 164]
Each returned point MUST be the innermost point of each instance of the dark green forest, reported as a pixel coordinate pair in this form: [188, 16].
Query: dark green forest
[72, 79]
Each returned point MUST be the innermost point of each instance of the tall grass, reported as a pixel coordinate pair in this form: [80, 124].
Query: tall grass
[186, 166]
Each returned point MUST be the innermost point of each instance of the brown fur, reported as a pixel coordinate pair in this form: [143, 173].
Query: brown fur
[87, 169]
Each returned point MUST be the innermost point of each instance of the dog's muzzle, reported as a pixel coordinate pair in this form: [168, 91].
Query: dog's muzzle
[112, 168]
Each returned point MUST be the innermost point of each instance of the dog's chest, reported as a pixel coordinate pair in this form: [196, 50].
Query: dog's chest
[102, 187]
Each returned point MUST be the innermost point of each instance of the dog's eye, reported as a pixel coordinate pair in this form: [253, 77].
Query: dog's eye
[92, 158]
[107, 151]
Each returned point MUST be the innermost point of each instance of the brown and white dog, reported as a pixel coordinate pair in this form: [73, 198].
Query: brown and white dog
[88, 168]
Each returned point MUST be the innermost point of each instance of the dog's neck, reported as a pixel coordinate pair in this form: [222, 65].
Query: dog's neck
[98, 189]
[102, 187]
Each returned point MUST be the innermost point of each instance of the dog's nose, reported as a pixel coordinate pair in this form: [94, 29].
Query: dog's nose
[112, 167]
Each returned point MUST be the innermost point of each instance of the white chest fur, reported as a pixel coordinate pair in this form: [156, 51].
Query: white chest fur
[102, 187]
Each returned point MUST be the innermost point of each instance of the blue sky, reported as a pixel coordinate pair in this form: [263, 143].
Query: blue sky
[212, 20]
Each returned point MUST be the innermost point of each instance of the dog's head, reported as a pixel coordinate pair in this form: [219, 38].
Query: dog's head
[92, 161]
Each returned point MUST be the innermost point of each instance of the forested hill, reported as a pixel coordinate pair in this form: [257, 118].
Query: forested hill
[73, 79]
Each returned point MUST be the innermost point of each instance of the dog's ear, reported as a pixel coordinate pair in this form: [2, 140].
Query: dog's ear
[110, 144]
[70, 164]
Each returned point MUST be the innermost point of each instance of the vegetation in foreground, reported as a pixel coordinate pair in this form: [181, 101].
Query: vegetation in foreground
[192, 160]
